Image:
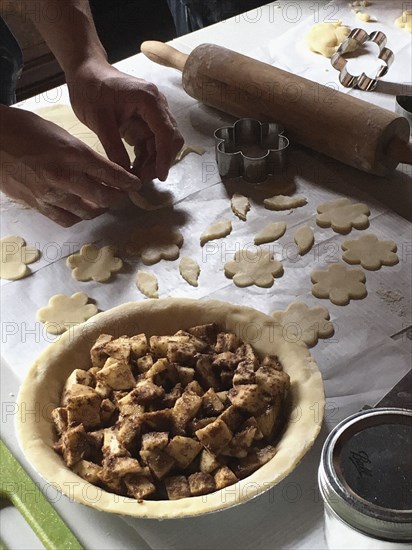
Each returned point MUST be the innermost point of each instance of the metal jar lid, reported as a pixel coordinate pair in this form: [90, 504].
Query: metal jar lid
[365, 474]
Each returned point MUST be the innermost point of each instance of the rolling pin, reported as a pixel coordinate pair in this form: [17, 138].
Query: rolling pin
[345, 128]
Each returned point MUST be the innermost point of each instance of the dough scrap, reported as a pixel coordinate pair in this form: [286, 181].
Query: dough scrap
[187, 149]
[307, 323]
[147, 283]
[339, 284]
[325, 38]
[240, 206]
[217, 230]
[363, 3]
[63, 312]
[283, 202]
[253, 268]
[370, 252]
[405, 21]
[342, 215]
[14, 257]
[363, 16]
[270, 233]
[304, 239]
[93, 263]
[189, 269]
[155, 244]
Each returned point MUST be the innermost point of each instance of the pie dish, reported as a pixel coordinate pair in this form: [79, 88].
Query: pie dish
[41, 390]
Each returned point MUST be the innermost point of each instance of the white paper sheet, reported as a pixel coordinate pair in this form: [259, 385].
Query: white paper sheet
[359, 364]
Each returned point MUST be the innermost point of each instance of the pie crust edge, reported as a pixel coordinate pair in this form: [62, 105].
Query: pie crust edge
[41, 390]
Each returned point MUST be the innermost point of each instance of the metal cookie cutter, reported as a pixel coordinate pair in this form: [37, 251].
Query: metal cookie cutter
[404, 108]
[362, 81]
[251, 149]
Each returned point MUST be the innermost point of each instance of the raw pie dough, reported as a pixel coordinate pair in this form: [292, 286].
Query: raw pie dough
[14, 257]
[189, 269]
[304, 239]
[325, 38]
[342, 215]
[93, 263]
[339, 284]
[282, 202]
[155, 244]
[253, 268]
[270, 233]
[240, 206]
[405, 21]
[370, 252]
[44, 383]
[63, 312]
[147, 283]
[150, 198]
[187, 149]
[308, 324]
[217, 230]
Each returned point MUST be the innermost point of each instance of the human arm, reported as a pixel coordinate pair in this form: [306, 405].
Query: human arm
[112, 104]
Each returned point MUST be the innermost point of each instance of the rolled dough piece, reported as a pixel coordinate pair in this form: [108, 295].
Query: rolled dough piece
[282, 202]
[93, 263]
[304, 239]
[342, 215]
[253, 268]
[325, 38]
[306, 323]
[64, 312]
[370, 252]
[405, 21]
[155, 244]
[189, 270]
[14, 257]
[363, 3]
[339, 284]
[217, 230]
[147, 283]
[240, 206]
[270, 233]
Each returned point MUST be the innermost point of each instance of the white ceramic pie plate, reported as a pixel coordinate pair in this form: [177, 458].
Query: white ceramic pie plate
[42, 388]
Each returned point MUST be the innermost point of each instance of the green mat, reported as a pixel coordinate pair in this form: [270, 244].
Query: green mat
[20, 490]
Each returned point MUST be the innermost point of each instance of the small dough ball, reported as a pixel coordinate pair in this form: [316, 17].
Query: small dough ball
[325, 38]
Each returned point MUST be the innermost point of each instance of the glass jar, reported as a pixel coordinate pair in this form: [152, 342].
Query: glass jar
[365, 479]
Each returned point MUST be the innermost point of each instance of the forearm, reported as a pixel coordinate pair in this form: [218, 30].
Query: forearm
[68, 28]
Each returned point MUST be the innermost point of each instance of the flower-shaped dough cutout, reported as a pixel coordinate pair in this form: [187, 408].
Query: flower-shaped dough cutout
[301, 322]
[14, 257]
[253, 268]
[370, 252]
[64, 312]
[155, 244]
[342, 215]
[93, 263]
[339, 284]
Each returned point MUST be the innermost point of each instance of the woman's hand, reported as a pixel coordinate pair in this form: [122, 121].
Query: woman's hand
[115, 105]
[57, 174]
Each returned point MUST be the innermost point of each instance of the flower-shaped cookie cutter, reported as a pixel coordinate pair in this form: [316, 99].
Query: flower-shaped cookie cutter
[250, 149]
[362, 81]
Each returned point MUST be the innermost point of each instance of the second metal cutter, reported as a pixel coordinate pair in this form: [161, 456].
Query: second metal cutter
[363, 81]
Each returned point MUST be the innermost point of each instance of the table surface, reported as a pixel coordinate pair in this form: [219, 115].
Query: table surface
[371, 348]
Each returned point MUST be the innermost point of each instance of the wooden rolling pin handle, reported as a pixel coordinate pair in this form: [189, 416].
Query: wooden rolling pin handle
[164, 54]
[400, 151]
